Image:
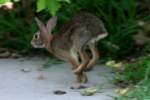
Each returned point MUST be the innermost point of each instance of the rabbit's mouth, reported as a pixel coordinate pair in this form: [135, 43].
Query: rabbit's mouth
[37, 45]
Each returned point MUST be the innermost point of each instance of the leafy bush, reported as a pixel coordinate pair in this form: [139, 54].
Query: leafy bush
[15, 31]
[119, 18]
[16, 38]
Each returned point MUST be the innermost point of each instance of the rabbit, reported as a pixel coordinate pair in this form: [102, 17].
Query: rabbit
[80, 33]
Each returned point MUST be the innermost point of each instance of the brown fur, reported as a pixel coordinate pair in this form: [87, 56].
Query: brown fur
[75, 36]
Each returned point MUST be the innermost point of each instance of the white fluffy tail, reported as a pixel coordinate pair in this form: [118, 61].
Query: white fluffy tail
[99, 37]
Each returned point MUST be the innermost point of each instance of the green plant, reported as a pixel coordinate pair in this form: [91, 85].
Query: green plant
[52, 5]
[15, 38]
[52, 61]
[15, 32]
[119, 17]
[4, 1]
[135, 72]
[142, 90]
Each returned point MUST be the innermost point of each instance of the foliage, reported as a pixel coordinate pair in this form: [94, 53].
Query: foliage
[135, 72]
[52, 61]
[15, 31]
[52, 5]
[119, 17]
[4, 1]
[120, 20]
[142, 90]
[15, 38]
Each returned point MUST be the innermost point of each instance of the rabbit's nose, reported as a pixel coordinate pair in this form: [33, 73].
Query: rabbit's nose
[33, 45]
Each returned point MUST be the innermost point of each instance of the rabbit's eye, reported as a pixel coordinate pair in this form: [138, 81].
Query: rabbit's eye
[36, 36]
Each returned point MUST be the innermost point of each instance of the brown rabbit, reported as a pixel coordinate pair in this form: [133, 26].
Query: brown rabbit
[82, 32]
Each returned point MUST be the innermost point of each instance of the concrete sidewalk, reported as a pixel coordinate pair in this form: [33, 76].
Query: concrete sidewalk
[21, 79]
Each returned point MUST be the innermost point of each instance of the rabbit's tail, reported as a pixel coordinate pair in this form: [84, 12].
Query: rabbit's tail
[99, 37]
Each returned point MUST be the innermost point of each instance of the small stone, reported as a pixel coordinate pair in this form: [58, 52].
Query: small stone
[78, 87]
[59, 92]
[26, 70]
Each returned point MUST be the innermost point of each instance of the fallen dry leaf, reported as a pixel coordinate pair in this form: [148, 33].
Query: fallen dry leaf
[119, 66]
[89, 91]
[123, 91]
[41, 77]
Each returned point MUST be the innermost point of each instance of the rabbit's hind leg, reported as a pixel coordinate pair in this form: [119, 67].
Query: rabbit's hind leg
[82, 83]
[95, 56]
[75, 65]
[84, 77]
[75, 58]
[84, 61]
[81, 77]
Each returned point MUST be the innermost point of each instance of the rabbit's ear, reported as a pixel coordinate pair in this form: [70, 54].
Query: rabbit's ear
[41, 25]
[43, 29]
[51, 23]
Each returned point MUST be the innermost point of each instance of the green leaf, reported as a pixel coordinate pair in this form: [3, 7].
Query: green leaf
[4, 1]
[68, 1]
[41, 5]
[53, 6]
[16, 0]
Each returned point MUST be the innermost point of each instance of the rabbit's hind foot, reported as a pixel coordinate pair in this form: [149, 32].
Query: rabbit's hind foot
[81, 77]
